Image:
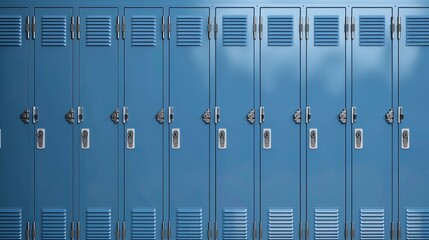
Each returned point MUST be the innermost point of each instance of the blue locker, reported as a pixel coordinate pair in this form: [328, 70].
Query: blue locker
[235, 79]
[372, 134]
[326, 59]
[189, 90]
[143, 134]
[98, 145]
[413, 132]
[14, 134]
[280, 135]
[53, 134]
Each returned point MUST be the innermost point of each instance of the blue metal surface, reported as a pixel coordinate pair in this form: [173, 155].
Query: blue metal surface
[189, 96]
[235, 97]
[14, 149]
[143, 97]
[326, 97]
[413, 162]
[98, 77]
[280, 97]
[372, 97]
[53, 80]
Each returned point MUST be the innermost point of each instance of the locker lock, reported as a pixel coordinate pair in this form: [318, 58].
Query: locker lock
[115, 116]
[390, 116]
[343, 116]
[25, 116]
[251, 116]
[207, 116]
[160, 116]
[70, 116]
[297, 116]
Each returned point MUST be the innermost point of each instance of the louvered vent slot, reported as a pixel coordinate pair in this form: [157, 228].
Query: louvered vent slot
[143, 31]
[10, 31]
[54, 31]
[234, 224]
[326, 30]
[11, 224]
[189, 31]
[327, 224]
[189, 224]
[98, 31]
[372, 224]
[234, 30]
[280, 224]
[372, 30]
[417, 224]
[143, 224]
[418, 31]
[98, 224]
[54, 224]
[280, 31]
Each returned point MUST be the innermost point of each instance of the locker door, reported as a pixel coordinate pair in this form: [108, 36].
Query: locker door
[189, 134]
[14, 134]
[53, 134]
[372, 134]
[413, 132]
[143, 134]
[235, 135]
[325, 134]
[280, 135]
[98, 94]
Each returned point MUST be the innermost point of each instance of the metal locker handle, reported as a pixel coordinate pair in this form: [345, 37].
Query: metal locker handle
[358, 138]
[85, 141]
[40, 138]
[267, 138]
[405, 135]
[175, 139]
[222, 138]
[131, 138]
[313, 138]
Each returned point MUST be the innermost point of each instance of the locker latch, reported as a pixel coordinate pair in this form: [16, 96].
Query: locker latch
[85, 138]
[358, 138]
[79, 114]
[267, 138]
[25, 116]
[131, 138]
[207, 116]
[160, 116]
[35, 114]
[222, 138]
[297, 116]
[313, 138]
[70, 116]
[400, 114]
[390, 116]
[125, 115]
[343, 116]
[175, 144]
[115, 116]
[251, 116]
[405, 138]
[354, 115]
[40, 138]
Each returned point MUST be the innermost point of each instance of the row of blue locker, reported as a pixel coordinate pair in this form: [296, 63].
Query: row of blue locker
[213, 122]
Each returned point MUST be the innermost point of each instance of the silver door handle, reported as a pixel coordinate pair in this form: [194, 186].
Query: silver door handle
[85, 138]
[175, 138]
[358, 138]
[131, 137]
[266, 138]
[405, 135]
[313, 138]
[222, 134]
[41, 138]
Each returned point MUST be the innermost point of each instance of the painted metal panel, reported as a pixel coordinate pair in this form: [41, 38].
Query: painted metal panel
[14, 134]
[98, 95]
[326, 81]
[372, 98]
[143, 98]
[280, 97]
[413, 156]
[189, 96]
[235, 96]
[53, 163]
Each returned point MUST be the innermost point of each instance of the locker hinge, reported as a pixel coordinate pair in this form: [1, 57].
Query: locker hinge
[346, 28]
[390, 116]
[261, 27]
[346, 231]
[115, 116]
[399, 26]
[33, 231]
[300, 28]
[307, 115]
[169, 231]
[79, 114]
[72, 231]
[25, 116]
[216, 28]
[400, 114]
[251, 116]
[352, 28]
[300, 231]
[162, 231]
[35, 115]
[260, 231]
[72, 27]
[217, 114]
[70, 116]
[352, 231]
[255, 26]
[297, 116]
[209, 28]
[307, 28]
[392, 27]
[117, 28]
[78, 231]
[163, 27]
[124, 27]
[209, 231]
[160, 116]
[27, 231]
[207, 116]
[78, 28]
[343, 116]
[27, 28]
[124, 231]
[307, 230]
[170, 114]
[33, 28]
[392, 230]
[399, 232]
[261, 115]
[125, 115]
[169, 28]
[215, 232]
[117, 230]
[354, 115]
[254, 231]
